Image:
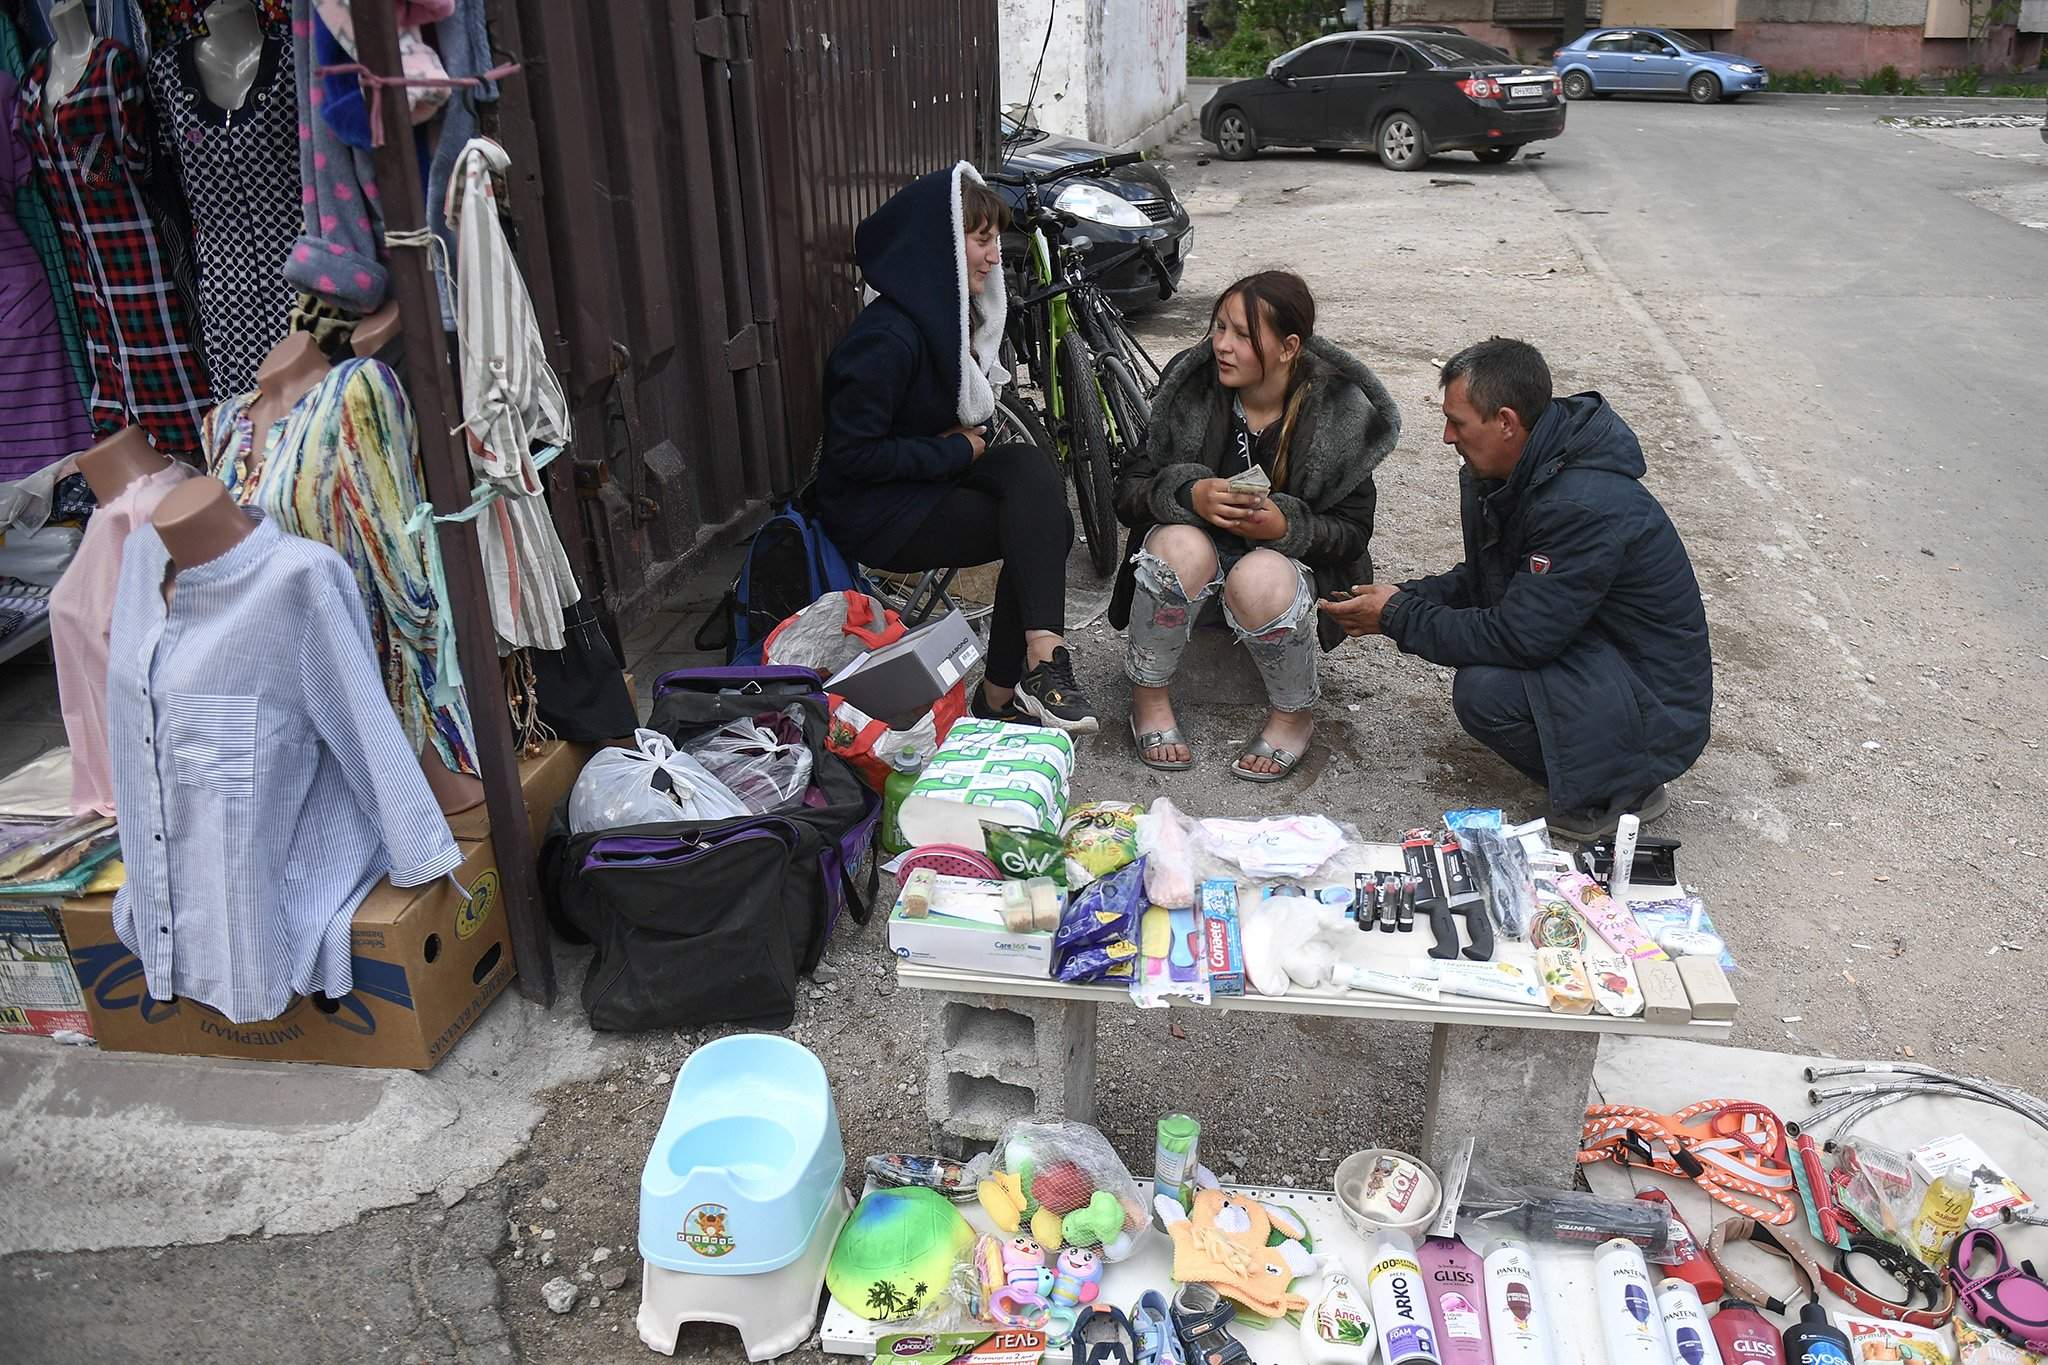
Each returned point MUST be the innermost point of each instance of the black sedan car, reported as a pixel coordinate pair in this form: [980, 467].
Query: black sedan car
[1405, 93]
[1131, 204]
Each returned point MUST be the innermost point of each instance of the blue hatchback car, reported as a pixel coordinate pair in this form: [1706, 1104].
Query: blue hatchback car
[1653, 61]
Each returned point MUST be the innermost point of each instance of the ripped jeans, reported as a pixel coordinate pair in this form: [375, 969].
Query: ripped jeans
[1163, 616]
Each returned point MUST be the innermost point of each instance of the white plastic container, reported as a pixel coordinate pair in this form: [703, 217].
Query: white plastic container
[1400, 1302]
[1630, 1322]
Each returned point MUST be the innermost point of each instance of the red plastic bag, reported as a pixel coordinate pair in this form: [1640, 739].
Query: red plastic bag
[875, 751]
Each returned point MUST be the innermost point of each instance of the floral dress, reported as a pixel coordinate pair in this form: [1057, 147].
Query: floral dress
[146, 368]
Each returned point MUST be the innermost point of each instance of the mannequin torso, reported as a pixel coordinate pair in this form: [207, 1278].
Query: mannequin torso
[198, 523]
[228, 56]
[119, 461]
[71, 29]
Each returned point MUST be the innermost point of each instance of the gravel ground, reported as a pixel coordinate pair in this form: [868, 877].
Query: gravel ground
[1847, 823]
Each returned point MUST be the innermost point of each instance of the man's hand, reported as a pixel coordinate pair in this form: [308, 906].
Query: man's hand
[1222, 507]
[974, 438]
[1359, 613]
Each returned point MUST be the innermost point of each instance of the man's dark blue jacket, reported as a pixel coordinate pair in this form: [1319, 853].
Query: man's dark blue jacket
[1574, 573]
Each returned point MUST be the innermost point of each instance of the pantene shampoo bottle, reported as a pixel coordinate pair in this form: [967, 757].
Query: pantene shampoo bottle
[1457, 1300]
[1685, 1324]
[1515, 1321]
[1629, 1320]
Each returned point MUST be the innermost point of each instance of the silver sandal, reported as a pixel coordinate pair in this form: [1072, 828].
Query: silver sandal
[1161, 739]
[1259, 748]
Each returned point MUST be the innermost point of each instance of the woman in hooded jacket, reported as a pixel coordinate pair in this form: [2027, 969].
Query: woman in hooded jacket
[1256, 483]
[907, 481]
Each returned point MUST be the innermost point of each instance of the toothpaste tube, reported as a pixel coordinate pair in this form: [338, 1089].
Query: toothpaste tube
[1510, 983]
[1221, 943]
[1377, 982]
[1610, 919]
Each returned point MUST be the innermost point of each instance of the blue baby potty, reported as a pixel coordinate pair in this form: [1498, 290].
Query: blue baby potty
[742, 1196]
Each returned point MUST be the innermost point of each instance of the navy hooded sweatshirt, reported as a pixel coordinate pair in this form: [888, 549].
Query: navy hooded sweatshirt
[894, 381]
[1574, 573]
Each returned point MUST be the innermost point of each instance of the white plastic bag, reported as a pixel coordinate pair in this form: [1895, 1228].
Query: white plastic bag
[754, 765]
[646, 785]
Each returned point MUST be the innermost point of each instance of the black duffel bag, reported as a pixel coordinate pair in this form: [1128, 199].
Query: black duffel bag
[711, 922]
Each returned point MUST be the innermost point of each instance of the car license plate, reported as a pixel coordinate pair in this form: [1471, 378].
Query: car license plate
[1525, 92]
[1187, 242]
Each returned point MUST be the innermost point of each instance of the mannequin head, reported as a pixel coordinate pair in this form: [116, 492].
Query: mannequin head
[199, 522]
[375, 332]
[118, 461]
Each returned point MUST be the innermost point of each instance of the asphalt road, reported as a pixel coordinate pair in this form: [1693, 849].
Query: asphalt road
[1837, 286]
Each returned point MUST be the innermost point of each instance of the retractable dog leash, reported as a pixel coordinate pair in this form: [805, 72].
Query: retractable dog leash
[1735, 1150]
[2011, 1300]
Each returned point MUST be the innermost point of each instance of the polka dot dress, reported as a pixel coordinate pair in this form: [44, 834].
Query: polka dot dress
[240, 170]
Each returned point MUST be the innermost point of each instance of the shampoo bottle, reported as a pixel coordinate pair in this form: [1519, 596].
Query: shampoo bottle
[1337, 1328]
[1746, 1336]
[1516, 1327]
[1685, 1324]
[1629, 1320]
[1813, 1340]
[1457, 1300]
[1400, 1304]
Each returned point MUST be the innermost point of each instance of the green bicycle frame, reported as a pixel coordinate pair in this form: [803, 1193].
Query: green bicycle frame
[1060, 316]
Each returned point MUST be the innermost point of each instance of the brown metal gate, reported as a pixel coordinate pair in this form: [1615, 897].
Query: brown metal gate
[690, 177]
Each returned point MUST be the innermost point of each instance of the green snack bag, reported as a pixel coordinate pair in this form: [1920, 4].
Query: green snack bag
[1021, 854]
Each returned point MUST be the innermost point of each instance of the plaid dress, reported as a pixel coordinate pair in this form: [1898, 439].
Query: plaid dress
[146, 370]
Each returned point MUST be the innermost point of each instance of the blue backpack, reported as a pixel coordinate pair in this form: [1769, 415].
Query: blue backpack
[790, 564]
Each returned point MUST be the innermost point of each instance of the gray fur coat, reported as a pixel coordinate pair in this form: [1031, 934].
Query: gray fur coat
[1348, 426]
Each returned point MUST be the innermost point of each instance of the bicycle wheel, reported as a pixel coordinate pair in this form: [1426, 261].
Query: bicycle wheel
[1128, 406]
[1088, 458]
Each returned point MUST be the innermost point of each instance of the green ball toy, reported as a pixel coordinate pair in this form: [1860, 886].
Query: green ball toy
[896, 1253]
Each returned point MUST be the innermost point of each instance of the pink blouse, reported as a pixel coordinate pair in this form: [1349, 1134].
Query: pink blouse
[81, 610]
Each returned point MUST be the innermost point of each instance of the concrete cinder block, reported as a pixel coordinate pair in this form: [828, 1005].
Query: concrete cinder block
[995, 1059]
[1521, 1092]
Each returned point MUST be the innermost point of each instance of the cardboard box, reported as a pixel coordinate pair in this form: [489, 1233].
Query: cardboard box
[1992, 1190]
[939, 939]
[38, 989]
[427, 964]
[900, 681]
[543, 779]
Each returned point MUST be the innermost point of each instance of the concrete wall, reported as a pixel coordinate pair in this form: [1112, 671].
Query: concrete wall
[1852, 50]
[1680, 14]
[1115, 71]
[1947, 19]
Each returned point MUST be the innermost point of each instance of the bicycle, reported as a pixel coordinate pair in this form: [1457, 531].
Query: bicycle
[1096, 376]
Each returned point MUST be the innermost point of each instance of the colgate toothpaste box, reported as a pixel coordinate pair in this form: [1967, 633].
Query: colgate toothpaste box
[1217, 902]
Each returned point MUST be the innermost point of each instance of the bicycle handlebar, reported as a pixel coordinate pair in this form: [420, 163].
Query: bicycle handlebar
[1096, 166]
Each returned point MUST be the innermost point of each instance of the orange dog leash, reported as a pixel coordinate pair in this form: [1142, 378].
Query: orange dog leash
[1735, 1150]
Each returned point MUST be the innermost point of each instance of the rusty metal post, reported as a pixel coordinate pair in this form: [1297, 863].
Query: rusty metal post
[444, 459]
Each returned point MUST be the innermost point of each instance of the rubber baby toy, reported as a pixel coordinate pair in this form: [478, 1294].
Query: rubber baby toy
[1002, 1198]
[1101, 1224]
[1076, 1284]
[1018, 1296]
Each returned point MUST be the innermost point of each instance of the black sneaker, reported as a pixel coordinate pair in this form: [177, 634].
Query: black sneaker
[1050, 693]
[1597, 823]
[979, 707]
